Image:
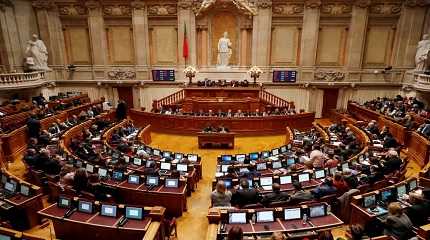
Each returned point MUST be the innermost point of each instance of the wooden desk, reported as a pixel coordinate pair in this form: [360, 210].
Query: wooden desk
[216, 140]
[419, 149]
[241, 126]
[224, 104]
[94, 226]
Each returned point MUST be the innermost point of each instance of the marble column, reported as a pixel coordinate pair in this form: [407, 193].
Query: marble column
[186, 17]
[408, 34]
[243, 46]
[141, 33]
[262, 34]
[10, 50]
[97, 33]
[204, 46]
[309, 41]
[357, 35]
[50, 31]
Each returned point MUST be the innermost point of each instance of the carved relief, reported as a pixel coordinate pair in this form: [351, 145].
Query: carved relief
[117, 10]
[362, 3]
[121, 74]
[137, 5]
[415, 3]
[162, 10]
[92, 4]
[336, 9]
[43, 4]
[386, 9]
[288, 9]
[264, 4]
[329, 75]
[313, 3]
[72, 10]
[4, 4]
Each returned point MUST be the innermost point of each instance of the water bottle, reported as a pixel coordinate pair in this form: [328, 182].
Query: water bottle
[305, 219]
[253, 218]
[329, 208]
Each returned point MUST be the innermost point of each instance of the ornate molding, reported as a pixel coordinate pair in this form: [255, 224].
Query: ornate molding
[336, 9]
[92, 4]
[4, 4]
[363, 3]
[117, 10]
[163, 10]
[121, 74]
[264, 4]
[288, 9]
[313, 3]
[137, 5]
[43, 4]
[185, 5]
[329, 75]
[72, 10]
[415, 3]
[386, 9]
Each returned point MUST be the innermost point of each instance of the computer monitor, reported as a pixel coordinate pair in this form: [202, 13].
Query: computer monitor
[64, 202]
[276, 164]
[148, 149]
[332, 171]
[237, 217]
[152, 181]
[126, 159]
[134, 213]
[228, 183]
[261, 166]
[240, 157]
[254, 156]
[167, 154]
[165, 166]
[369, 201]
[102, 172]
[10, 187]
[137, 161]
[5, 237]
[265, 154]
[133, 179]
[275, 151]
[149, 163]
[117, 175]
[156, 152]
[172, 182]
[108, 210]
[319, 174]
[84, 206]
[292, 213]
[224, 168]
[317, 210]
[412, 184]
[265, 216]
[226, 158]
[401, 190]
[192, 157]
[291, 161]
[345, 166]
[283, 149]
[24, 190]
[285, 179]
[304, 177]
[182, 167]
[266, 181]
[179, 156]
[89, 168]
[3, 178]
[386, 195]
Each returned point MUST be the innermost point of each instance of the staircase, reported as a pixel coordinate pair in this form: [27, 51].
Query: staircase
[172, 99]
[273, 100]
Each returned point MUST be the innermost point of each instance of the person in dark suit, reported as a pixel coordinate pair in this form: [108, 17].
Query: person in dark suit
[275, 196]
[397, 223]
[121, 110]
[33, 126]
[390, 141]
[245, 195]
[419, 212]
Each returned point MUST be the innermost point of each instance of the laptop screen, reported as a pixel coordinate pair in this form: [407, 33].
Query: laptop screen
[385, 195]
[226, 158]
[283, 149]
[292, 213]
[317, 211]
[10, 187]
[412, 185]
[167, 154]
[224, 168]
[117, 176]
[179, 156]
[240, 158]
[265, 154]
[64, 202]
[172, 183]
[5, 237]
[133, 179]
[277, 164]
[151, 180]
[108, 210]
[102, 172]
[303, 177]
[137, 161]
[319, 173]
[86, 207]
[25, 190]
[182, 167]
[266, 181]
[369, 201]
[134, 213]
[275, 151]
[165, 166]
[89, 168]
[192, 157]
[285, 179]
[401, 190]
[156, 152]
[253, 156]
[265, 216]
[261, 166]
[237, 218]
[291, 161]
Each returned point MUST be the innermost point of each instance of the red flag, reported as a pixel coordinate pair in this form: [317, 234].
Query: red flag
[185, 45]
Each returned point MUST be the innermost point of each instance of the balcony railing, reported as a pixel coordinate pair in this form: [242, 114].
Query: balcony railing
[422, 81]
[16, 78]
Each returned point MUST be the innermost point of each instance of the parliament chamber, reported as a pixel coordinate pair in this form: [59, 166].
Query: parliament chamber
[215, 119]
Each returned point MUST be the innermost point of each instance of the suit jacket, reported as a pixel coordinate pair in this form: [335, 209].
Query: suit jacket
[399, 227]
[275, 197]
[419, 213]
[243, 197]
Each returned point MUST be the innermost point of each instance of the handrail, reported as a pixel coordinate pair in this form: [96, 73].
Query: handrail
[12, 78]
[169, 100]
[273, 100]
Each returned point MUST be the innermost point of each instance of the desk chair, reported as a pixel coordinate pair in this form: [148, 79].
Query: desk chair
[253, 206]
[278, 204]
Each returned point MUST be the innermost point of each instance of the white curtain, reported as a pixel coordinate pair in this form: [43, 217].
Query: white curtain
[300, 96]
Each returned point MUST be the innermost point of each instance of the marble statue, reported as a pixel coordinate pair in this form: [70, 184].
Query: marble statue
[423, 52]
[224, 51]
[37, 54]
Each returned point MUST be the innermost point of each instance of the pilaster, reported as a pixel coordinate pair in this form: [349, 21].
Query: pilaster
[357, 34]
[311, 18]
[141, 33]
[262, 34]
[187, 18]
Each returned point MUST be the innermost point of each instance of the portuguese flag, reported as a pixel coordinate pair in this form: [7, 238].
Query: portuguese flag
[185, 47]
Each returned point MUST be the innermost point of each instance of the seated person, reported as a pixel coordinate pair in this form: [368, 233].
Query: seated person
[424, 129]
[397, 223]
[324, 189]
[48, 164]
[275, 196]
[245, 195]
[221, 197]
[151, 170]
[278, 236]
[390, 141]
[339, 183]
[30, 157]
[80, 180]
[209, 129]
[392, 162]
[300, 195]
[124, 146]
[419, 212]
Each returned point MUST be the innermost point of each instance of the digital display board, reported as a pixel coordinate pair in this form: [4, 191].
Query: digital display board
[284, 76]
[163, 75]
